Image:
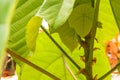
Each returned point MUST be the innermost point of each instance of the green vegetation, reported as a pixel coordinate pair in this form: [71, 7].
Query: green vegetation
[74, 46]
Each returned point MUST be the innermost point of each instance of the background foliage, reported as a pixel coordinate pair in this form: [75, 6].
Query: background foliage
[66, 21]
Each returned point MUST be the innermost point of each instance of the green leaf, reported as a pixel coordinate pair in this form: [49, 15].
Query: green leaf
[106, 33]
[109, 28]
[23, 12]
[68, 36]
[56, 12]
[115, 5]
[6, 6]
[102, 64]
[81, 19]
[32, 31]
[49, 57]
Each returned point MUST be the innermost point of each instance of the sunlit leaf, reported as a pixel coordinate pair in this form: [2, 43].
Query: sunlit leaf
[115, 5]
[102, 65]
[56, 12]
[49, 57]
[24, 11]
[68, 36]
[81, 19]
[106, 33]
[32, 31]
[109, 28]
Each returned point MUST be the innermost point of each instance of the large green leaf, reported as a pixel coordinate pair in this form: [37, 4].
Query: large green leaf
[81, 19]
[106, 33]
[24, 11]
[115, 5]
[56, 12]
[109, 28]
[49, 57]
[68, 36]
[6, 6]
[102, 65]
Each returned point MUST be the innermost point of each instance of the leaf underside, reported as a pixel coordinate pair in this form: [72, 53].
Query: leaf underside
[56, 12]
[68, 36]
[81, 19]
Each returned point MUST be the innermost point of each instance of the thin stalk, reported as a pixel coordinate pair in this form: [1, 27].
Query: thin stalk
[88, 62]
[89, 40]
[109, 72]
[68, 68]
[32, 65]
[94, 28]
[77, 66]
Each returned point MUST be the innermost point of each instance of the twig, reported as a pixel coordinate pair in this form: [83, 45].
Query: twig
[90, 42]
[32, 65]
[78, 67]
[68, 68]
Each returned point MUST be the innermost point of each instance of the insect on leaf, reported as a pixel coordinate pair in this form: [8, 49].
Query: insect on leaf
[32, 31]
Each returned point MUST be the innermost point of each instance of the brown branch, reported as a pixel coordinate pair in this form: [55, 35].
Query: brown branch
[32, 65]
